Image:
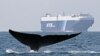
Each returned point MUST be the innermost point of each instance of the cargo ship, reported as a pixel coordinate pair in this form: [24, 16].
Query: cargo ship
[62, 23]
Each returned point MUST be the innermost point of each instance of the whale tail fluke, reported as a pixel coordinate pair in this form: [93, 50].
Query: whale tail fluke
[73, 35]
[36, 41]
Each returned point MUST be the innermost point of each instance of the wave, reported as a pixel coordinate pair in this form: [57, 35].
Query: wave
[11, 51]
[74, 52]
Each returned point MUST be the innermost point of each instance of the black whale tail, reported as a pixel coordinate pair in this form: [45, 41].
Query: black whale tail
[35, 41]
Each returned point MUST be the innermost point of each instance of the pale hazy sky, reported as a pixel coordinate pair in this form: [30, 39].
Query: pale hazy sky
[24, 15]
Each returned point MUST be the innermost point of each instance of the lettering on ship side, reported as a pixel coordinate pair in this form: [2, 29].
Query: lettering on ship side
[50, 25]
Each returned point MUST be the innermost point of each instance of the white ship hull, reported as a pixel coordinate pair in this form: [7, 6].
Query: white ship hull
[67, 24]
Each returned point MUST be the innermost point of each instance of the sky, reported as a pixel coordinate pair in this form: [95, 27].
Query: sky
[24, 15]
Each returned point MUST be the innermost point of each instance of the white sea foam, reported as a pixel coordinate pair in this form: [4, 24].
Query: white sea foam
[10, 51]
[75, 52]
[32, 51]
[47, 51]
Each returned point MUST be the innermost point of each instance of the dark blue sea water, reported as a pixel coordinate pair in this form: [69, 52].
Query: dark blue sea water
[85, 44]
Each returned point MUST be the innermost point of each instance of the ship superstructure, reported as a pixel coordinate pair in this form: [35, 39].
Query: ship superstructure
[61, 23]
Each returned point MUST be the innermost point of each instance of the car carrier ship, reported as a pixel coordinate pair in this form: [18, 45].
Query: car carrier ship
[61, 23]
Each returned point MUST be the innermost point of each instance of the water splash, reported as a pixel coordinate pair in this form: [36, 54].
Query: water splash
[75, 52]
[47, 51]
[32, 51]
[11, 51]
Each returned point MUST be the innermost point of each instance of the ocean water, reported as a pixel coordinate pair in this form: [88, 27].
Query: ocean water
[85, 44]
